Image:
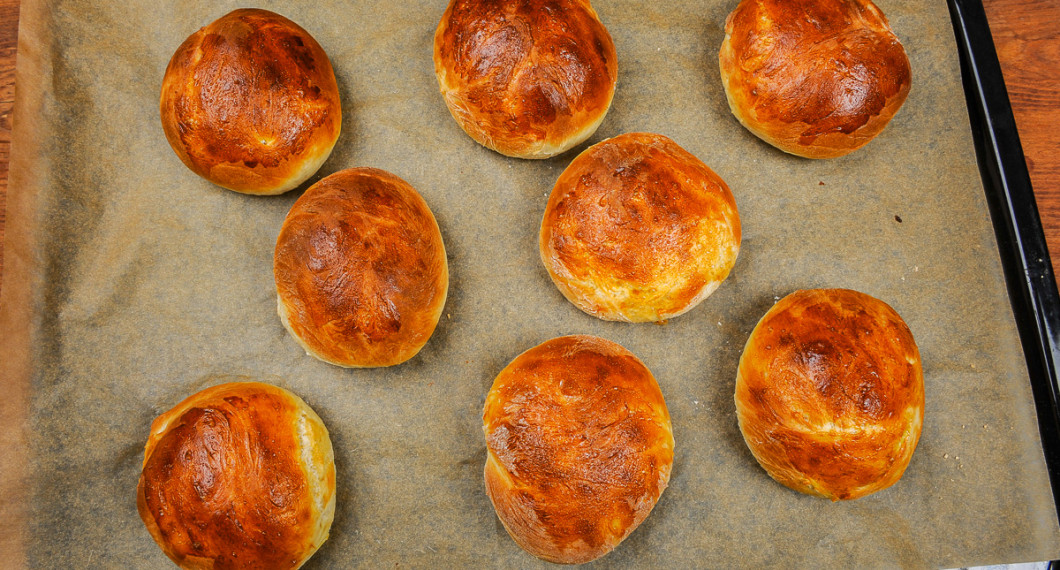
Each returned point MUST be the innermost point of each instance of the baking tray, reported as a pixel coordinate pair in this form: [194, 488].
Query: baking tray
[1028, 270]
[90, 407]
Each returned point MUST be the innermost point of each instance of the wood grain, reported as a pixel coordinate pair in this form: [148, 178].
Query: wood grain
[8, 43]
[1027, 37]
[1026, 33]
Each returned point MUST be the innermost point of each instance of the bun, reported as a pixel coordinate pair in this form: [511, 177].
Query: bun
[361, 274]
[250, 103]
[527, 79]
[815, 78]
[579, 447]
[639, 230]
[239, 475]
[830, 393]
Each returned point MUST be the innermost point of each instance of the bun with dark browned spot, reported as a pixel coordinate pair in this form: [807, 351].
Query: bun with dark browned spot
[830, 393]
[528, 79]
[579, 447]
[360, 267]
[250, 103]
[239, 475]
[815, 78]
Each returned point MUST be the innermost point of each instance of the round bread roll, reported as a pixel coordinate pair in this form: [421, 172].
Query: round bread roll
[250, 103]
[528, 79]
[240, 475]
[830, 393]
[579, 447]
[815, 78]
[639, 230]
[361, 274]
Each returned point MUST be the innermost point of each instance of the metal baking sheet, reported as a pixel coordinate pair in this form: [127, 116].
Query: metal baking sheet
[130, 283]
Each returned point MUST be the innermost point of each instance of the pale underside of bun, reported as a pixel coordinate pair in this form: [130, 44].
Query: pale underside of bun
[525, 79]
[639, 230]
[361, 270]
[580, 447]
[830, 393]
[238, 461]
[818, 79]
[250, 103]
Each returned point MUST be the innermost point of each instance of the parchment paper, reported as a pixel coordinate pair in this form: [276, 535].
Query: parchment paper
[132, 283]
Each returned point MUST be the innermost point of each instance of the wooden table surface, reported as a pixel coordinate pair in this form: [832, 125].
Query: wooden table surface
[1026, 33]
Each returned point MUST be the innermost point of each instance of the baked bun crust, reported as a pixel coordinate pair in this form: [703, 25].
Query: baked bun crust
[528, 79]
[637, 229]
[239, 475]
[830, 393]
[250, 103]
[579, 447]
[361, 274]
[815, 78]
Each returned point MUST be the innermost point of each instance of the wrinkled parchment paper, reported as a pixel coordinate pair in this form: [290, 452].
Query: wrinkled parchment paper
[131, 283]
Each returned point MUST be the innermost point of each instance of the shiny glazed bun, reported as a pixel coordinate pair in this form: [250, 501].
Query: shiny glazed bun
[239, 475]
[529, 78]
[830, 393]
[579, 447]
[360, 267]
[637, 229]
[250, 103]
[815, 78]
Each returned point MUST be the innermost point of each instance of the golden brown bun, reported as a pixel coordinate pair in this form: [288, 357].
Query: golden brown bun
[250, 103]
[830, 393]
[579, 447]
[360, 267]
[239, 475]
[637, 229]
[528, 79]
[815, 78]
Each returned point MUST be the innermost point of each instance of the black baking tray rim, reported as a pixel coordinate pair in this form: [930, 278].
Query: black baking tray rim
[1020, 238]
